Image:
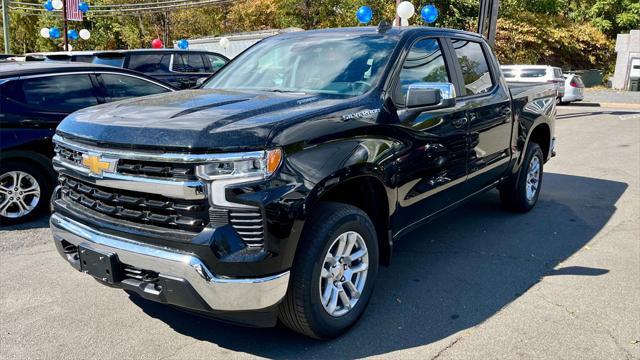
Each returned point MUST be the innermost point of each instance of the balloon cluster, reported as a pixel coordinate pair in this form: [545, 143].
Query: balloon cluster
[73, 34]
[406, 10]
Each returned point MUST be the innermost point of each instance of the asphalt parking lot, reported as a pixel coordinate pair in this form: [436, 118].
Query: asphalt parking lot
[562, 281]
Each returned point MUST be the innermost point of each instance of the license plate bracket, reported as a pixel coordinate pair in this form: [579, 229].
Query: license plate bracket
[102, 265]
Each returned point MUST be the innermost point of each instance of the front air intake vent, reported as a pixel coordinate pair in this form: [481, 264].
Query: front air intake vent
[249, 225]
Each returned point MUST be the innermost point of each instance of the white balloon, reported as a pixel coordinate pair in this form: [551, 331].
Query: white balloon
[85, 34]
[404, 22]
[406, 10]
[57, 4]
[69, 47]
[44, 32]
[224, 42]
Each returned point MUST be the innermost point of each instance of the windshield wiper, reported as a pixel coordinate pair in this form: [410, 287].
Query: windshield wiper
[285, 91]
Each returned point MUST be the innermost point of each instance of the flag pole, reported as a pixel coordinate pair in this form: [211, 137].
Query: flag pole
[64, 14]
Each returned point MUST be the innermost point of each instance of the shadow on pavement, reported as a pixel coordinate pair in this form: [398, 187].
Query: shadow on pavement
[41, 221]
[445, 277]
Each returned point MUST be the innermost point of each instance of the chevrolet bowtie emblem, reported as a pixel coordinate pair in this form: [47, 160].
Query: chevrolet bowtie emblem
[97, 166]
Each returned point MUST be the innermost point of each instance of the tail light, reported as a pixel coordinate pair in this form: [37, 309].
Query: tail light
[574, 83]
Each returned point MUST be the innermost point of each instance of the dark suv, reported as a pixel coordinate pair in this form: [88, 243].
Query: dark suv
[34, 98]
[180, 68]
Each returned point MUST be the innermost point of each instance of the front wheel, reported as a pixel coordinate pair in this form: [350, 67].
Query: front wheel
[24, 191]
[520, 193]
[333, 273]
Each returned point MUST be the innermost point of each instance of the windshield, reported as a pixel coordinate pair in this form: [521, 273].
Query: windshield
[323, 64]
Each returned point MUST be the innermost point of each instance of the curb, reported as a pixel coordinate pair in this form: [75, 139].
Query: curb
[604, 105]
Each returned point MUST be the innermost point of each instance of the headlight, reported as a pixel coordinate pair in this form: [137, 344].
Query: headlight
[249, 166]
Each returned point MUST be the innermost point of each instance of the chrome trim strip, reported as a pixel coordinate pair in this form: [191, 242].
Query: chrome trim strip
[158, 156]
[226, 294]
[188, 190]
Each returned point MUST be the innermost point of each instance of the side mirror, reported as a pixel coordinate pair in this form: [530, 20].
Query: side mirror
[434, 95]
[200, 81]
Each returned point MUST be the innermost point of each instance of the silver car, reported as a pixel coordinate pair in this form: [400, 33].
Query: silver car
[573, 89]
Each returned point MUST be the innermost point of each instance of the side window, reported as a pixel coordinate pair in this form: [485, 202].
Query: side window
[188, 63]
[424, 63]
[149, 63]
[474, 65]
[118, 87]
[216, 62]
[66, 93]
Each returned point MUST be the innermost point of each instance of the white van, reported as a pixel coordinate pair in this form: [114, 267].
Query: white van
[535, 74]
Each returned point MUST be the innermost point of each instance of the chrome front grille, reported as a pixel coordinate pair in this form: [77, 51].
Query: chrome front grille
[69, 155]
[157, 169]
[249, 225]
[156, 210]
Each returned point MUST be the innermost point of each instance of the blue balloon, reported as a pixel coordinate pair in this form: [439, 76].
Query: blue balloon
[83, 7]
[364, 14]
[72, 34]
[429, 14]
[183, 44]
[48, 5]
[54, 33]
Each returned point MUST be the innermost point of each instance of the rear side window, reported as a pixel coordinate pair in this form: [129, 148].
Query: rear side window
[216, 62]
[65, 93]
[474, 65]
[118, 87]
[557, 73]
[508, 74]
[533, 73]
[111, 60]
[188, 63]
[149, 63]
[424, 63]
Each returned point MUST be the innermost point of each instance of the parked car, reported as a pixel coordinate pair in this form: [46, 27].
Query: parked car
[180, 68]
[277, 189]
[34, 98]
[574, 89]
[535, 74]
[73, 56]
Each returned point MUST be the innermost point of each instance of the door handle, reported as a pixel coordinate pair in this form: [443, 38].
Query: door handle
[460, 122]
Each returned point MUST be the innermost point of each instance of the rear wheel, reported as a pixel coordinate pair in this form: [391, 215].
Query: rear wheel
[520, 193]
[24, 192]
[333, 273]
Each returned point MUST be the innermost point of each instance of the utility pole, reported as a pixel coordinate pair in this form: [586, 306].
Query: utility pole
[64, 16]
[5, 25]
[488, 19]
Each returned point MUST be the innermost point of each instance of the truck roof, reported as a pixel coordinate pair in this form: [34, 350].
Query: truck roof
[394, 31]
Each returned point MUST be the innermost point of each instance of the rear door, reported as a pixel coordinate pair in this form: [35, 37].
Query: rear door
[188, 68]
[433, 167]
[156, 65]
[32, 107]
[485, 98]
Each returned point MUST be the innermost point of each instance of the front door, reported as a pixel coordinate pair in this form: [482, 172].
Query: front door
[432, 167]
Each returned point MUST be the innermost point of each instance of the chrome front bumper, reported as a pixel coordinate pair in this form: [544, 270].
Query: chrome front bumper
[222, 294]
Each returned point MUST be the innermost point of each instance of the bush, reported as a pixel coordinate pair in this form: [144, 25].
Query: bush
[548, 40]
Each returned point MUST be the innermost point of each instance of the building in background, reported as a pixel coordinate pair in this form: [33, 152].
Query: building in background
[628, 50]
[237, 42]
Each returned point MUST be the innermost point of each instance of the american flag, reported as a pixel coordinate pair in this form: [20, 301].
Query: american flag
[73, 13]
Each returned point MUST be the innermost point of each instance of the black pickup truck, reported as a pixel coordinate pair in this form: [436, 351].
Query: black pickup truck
[277, 190]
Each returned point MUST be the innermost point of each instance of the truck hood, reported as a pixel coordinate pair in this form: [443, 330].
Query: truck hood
[195, 119]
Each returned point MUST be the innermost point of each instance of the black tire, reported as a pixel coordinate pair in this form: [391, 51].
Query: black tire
[513, 193]
[45, 191]
[301, 309]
